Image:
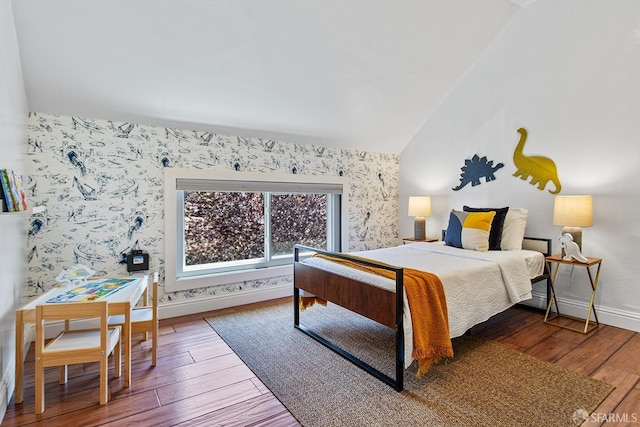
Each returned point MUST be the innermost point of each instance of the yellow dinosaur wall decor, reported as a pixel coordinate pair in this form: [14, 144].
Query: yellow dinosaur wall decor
[541, 169]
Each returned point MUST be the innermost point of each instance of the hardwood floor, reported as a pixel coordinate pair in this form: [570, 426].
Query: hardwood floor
[199, 381]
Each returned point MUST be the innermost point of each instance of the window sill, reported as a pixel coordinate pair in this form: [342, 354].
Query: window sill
[205, 281]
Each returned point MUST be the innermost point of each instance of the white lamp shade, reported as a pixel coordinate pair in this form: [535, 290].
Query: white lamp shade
[573, 211]
[419, 206]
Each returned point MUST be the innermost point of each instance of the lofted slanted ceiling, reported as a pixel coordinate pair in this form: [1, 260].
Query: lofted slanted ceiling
[361, 74]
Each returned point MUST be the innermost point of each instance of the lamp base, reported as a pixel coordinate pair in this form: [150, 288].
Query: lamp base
[576, 233]
[419, 228]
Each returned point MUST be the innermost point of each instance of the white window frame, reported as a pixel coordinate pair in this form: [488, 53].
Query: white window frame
[172, 175]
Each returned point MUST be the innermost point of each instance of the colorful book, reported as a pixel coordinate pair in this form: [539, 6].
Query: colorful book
[18, 190]
[6, 189]
[13, 191]
[3, 203]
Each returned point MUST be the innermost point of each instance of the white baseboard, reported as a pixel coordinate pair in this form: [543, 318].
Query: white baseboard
[538, 300]
[606, 315]
[8, 382]
[7, 386]
[201, 305]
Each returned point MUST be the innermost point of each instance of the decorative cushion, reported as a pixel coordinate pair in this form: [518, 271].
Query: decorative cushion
[469, 230]
[515, 224]
[495, 235]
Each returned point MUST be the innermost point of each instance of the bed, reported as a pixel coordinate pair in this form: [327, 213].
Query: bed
[478, 284]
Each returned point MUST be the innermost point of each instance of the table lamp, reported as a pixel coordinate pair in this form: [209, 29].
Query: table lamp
[419, 207]
[573, 212]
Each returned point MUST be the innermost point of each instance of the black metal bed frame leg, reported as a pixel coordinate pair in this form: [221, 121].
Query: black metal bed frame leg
[296, 292]
[400, 331]
[398, 382]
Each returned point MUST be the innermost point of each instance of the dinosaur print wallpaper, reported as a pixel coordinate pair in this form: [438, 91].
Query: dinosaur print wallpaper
[102, 185]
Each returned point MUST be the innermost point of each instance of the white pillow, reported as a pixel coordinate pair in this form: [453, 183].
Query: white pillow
[513, 231]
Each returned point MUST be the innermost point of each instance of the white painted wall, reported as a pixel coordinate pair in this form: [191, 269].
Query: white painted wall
[13, 117]
[569, 73]
[343, 74]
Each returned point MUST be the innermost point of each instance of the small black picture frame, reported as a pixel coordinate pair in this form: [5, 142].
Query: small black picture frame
[137, 261]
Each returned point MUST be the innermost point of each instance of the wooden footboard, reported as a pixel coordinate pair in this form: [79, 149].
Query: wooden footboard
[375, 303]
[370, 301]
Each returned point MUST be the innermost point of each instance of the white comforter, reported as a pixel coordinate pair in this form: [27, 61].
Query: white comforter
[477, 285]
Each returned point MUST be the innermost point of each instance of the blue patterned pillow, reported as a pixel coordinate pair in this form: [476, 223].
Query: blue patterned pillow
[469, 230]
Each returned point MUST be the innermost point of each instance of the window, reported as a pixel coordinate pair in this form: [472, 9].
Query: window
[235, 230]
[234, 226]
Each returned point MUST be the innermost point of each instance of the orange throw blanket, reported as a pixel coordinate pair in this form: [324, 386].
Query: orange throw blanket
[425, 293]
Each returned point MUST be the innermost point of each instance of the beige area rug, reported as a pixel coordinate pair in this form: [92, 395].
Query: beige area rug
[486, 384]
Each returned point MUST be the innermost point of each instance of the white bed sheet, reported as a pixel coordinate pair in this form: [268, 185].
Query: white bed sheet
[477, 285]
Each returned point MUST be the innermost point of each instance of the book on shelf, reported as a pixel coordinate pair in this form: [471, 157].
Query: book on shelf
[3, 203]
[6, 190]
[13, 195]
[19, 191]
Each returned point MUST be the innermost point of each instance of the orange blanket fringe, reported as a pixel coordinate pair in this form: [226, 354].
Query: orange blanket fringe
[425, 294]
[307, 301]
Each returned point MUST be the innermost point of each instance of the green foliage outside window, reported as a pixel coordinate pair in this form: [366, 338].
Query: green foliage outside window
[298, 218]
[230, 226]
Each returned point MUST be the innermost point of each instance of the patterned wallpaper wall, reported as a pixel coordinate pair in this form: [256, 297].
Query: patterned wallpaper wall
[102, 184]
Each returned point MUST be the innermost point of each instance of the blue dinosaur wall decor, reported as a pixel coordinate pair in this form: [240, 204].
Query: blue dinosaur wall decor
[476, 168]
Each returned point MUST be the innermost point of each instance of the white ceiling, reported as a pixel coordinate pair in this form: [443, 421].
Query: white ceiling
[361, 74]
